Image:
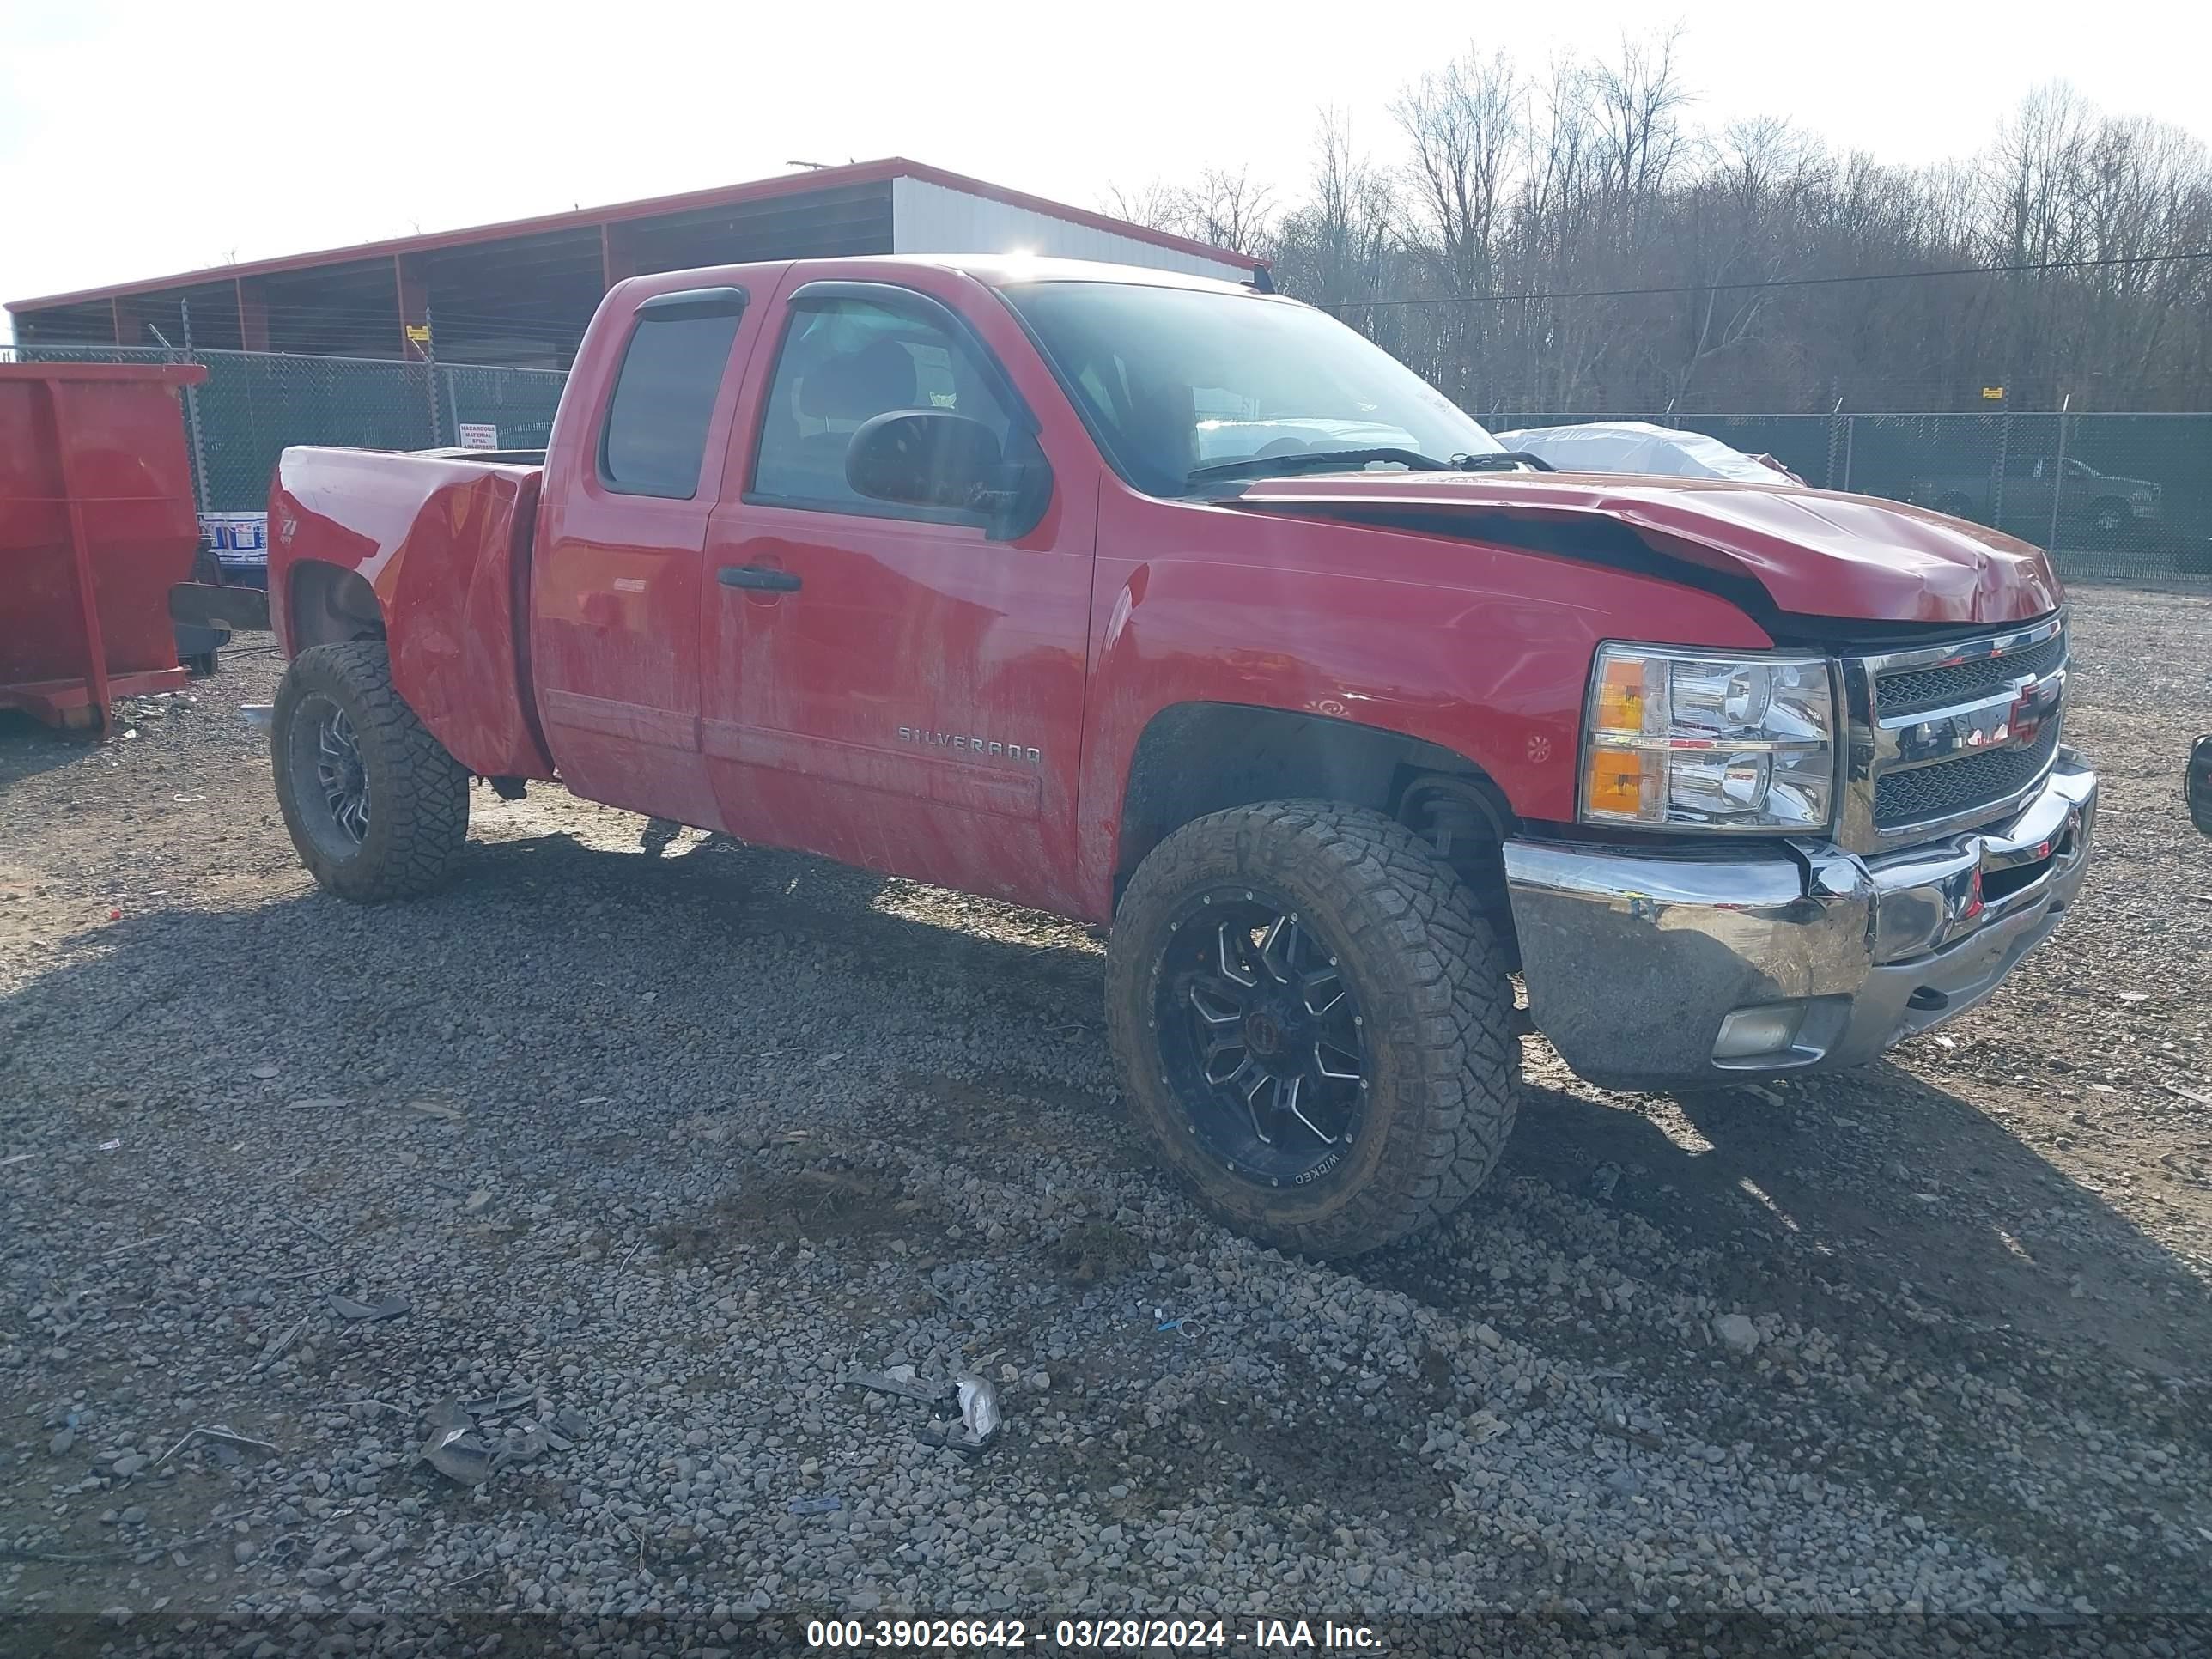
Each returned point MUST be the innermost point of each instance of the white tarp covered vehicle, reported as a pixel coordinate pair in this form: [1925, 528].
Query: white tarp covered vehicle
[1640, 447]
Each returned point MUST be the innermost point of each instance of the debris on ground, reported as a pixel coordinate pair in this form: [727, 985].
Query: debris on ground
[977, 1423]
[978, 1408]
[472, 1440]
[275, 1351]
[827, 1504]
[900, 1380]
[501, 1405]
[979, 1416]
[457, 1450]
[221, 1432]
[389, 1308]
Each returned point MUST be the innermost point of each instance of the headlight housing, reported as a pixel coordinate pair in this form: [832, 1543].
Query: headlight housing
[1691, 740]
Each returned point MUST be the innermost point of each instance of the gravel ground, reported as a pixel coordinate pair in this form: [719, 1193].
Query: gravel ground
[659, 1138]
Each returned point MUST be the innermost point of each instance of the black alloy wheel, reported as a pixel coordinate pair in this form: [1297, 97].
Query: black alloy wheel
[1263, 1038]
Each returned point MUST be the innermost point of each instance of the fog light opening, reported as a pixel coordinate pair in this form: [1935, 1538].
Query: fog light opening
[1749, 1032]
[1928, 1000]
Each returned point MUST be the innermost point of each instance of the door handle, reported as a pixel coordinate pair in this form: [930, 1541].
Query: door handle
[757, 576]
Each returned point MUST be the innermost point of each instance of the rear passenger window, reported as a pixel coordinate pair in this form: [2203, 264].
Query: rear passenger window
[656, 430]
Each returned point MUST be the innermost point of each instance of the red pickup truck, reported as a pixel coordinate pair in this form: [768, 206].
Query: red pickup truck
[1178, 605]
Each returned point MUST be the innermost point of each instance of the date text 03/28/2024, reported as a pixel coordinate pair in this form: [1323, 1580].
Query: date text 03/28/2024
[1105, 1634]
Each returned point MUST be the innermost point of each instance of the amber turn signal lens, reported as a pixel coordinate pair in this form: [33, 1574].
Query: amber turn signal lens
[1616, 781]
[1620, 695]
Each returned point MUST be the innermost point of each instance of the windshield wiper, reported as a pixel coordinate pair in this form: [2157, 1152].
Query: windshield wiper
[1327, 460]
[1502, 461]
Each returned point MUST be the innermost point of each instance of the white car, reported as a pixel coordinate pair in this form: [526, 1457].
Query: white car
[1640, 447]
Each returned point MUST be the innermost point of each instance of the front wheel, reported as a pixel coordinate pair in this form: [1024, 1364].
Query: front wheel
[1313, 1023]
[376, 807]
[2198, 788]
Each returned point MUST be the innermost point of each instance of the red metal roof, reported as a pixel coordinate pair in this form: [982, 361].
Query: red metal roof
[793, 184]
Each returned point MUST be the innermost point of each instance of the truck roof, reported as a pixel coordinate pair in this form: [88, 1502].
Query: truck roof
[1005, 269]
[992, 269]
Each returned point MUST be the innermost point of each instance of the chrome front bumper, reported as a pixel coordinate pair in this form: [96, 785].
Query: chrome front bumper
[1636, 961]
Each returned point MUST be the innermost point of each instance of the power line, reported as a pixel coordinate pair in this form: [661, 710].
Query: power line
[1785, 282]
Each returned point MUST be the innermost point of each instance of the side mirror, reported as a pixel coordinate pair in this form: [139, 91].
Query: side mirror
[923, 458]
[934, 458]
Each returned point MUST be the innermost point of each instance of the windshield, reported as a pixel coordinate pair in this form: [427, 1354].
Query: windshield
[1172, 381]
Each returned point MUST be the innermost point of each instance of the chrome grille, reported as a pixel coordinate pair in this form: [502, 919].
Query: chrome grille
[1951, 787]
[1962, 682]
[1948, 737]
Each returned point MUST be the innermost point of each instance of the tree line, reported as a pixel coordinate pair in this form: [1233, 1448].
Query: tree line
[1570, 240]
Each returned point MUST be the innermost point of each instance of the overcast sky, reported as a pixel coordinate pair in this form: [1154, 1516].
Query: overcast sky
[139, 140]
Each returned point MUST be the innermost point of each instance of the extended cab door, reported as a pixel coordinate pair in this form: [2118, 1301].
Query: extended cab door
[887, 685]
[630, 483]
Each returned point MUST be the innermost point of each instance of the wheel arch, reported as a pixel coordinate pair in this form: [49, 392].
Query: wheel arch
[1199, 758]
[326, 604]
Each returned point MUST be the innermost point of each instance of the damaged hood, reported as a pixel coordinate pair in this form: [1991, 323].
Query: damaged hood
[1814, 552]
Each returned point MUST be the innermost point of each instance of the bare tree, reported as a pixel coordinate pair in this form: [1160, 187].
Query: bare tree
[1465, 126]
[1154, 204]
[1340, 241]
[1232, 210]
[1568, 242]
[1638, 103]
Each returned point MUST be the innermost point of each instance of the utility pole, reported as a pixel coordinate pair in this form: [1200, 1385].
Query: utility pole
[193, 413]
[2058, 477]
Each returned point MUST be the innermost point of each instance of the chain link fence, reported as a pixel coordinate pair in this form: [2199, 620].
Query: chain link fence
[2114, 497]
[256, 403]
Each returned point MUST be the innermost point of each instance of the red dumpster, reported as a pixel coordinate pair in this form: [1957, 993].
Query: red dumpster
[96, 525]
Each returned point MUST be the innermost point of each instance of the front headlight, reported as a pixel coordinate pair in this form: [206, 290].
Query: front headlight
[1686, 740]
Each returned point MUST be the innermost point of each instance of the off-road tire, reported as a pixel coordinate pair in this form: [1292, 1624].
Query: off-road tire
[2197, 789]
[418, 795]
[1444, 1061]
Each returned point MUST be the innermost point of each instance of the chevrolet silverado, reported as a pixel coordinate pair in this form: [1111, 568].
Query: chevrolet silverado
[1177, 605]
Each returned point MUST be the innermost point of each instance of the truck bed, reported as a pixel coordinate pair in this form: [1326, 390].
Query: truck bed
[442, 539]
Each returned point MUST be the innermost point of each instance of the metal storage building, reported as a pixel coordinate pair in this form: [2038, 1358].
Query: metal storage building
[520, 292]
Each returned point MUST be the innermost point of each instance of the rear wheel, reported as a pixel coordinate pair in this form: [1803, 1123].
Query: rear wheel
[375, 805]
[1313, 1023]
